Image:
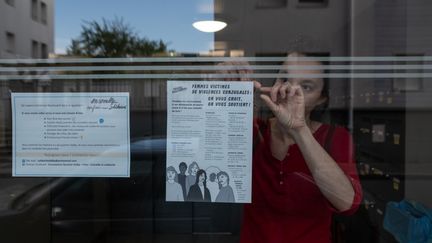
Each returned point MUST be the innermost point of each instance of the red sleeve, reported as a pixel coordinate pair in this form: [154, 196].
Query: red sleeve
[342, 151]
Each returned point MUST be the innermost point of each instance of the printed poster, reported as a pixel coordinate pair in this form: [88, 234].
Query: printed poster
[71, 134]
[209, 141]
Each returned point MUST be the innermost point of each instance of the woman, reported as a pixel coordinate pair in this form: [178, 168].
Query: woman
[226, 193]
[182, 177]
[199, 192]
[173, 189]
[213, 185]
[297, 184]
[191, 178]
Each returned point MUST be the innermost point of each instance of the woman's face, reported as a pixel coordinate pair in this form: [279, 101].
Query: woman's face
[182, 168]
[201, 178]
[312, 87]
[170, 175]
[222, 179]
[194, 169]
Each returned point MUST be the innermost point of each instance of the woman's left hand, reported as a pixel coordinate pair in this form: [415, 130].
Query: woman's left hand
[287, 103]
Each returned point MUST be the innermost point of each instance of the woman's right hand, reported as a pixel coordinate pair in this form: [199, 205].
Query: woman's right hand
[286, 101]
[243, 71]
[241, 68]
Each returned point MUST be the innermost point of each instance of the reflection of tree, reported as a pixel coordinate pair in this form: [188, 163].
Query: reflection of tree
[112, 39]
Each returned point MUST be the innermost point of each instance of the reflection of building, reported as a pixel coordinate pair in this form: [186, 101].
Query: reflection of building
[399, 28]
[26, 28]
[276, 27]
[26, 31]
[390, 117]
[264, 27]
[5, 116]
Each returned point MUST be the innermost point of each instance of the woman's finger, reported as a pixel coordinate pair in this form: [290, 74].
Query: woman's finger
[275, 89]
[244, 76]
[257, 85]
[298, 92]
[286, 87]
[270, 104]
[234, 73]
[266, 89]
[293, 90]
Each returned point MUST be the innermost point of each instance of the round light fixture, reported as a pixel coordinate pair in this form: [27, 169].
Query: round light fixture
[209, 26]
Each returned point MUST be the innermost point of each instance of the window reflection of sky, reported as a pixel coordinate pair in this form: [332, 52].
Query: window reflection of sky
[169, 20]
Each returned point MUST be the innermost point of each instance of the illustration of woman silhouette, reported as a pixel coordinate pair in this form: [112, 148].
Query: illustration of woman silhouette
[191, 178]
[199, 192]
[212, 182]
[226, 193]
[174, 191]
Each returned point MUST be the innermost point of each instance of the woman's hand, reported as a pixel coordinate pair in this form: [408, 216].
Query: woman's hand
[241, 69]
[286, 101]
[243, 72]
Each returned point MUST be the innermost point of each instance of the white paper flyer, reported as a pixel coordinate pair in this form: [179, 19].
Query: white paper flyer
[71, 134]
[209, 141]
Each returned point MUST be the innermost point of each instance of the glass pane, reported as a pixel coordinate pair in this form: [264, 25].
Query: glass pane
[209, 121]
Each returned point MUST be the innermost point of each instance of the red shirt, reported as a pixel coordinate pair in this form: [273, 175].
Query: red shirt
[287, 206]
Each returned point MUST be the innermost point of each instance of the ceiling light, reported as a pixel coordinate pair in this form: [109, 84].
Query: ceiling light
[209, 26]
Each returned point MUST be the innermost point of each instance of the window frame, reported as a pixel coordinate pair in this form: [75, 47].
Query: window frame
[43, 13]
[312, 4]
[10, 46]
[10, 3]
[34, 7]
[35, 49]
